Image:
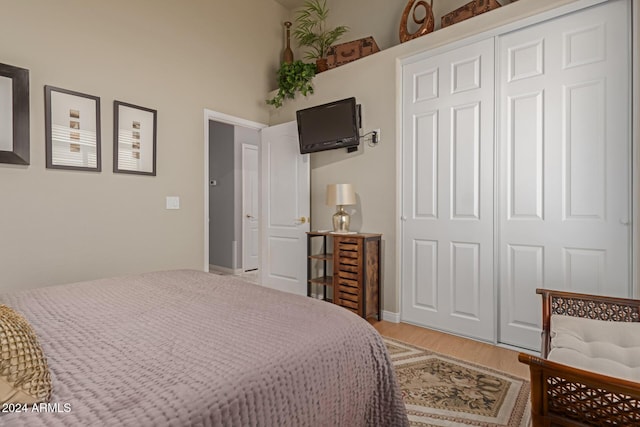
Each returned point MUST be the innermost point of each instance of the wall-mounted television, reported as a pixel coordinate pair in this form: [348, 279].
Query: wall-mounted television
[329, 126]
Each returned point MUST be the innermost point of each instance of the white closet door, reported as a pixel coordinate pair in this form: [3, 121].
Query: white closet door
[447, 233]
[564, 163]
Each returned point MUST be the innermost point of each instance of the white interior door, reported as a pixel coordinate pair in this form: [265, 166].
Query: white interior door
[285, 207]
[447, 191]
[250, 207]
[564, 163]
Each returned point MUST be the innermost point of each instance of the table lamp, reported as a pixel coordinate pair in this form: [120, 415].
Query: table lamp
[341, 195]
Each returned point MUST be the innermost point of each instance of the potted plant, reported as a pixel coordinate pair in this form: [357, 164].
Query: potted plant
[293, 77]
[311, 31]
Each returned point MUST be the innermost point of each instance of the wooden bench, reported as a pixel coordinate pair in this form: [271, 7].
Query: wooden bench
[566, 396]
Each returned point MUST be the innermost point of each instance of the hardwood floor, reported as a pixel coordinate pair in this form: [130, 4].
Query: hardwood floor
[462, 348]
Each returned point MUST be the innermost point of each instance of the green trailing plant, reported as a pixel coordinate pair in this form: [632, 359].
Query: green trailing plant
[292, 78]
[311, 29]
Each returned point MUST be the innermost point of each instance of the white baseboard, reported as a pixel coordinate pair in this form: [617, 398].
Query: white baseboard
[225, 270]
[390, 316]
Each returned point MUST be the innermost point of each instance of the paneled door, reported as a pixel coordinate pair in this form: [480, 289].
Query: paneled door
[447, 191]
[564, 191]
[250, 208]
[285, 206]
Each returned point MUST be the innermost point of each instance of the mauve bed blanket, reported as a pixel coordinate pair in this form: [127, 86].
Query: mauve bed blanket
[182, 348]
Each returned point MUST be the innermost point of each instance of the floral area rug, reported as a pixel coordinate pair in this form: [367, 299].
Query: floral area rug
[439, 390]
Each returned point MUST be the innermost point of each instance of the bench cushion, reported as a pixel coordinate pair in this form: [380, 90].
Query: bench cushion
[609, 348]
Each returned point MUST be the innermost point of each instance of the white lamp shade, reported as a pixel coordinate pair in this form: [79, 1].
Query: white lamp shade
[340, 194]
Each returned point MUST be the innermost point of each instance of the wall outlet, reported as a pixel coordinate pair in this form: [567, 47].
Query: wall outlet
[378, 136]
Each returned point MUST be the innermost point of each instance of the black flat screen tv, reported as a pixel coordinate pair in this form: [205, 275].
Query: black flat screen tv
[328, 126]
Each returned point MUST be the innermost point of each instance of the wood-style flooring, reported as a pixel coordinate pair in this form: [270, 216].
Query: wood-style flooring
[462, 348]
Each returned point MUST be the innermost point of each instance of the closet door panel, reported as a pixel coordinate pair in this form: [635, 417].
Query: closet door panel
[465, 162]
[447, 237]
[425, 155]
[584, 170]
[524, 160]
[425, 261]
[465, 280]
[524, 271]
[563, 173]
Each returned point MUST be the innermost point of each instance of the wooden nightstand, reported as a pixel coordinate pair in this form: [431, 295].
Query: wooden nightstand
[354, 260]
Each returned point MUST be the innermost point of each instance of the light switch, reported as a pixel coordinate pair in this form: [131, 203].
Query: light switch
[173, 202]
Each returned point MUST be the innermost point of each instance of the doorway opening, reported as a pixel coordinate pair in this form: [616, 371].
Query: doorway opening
[231, 220]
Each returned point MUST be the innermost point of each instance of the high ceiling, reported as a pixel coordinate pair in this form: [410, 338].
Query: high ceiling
[291, 4]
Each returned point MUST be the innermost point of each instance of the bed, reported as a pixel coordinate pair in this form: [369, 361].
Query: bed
[192, 348]
[589, 372]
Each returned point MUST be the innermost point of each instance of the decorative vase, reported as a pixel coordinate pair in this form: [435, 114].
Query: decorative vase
[287, 57]
[321, 65]
[426, 23]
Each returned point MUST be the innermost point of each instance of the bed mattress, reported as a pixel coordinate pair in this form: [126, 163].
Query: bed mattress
[191, 348]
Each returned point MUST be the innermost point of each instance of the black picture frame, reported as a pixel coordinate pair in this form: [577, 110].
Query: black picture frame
[134, 139]
[72, 130]
[15, 117]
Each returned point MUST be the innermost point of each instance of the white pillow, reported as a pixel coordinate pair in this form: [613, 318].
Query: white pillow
[609, 348]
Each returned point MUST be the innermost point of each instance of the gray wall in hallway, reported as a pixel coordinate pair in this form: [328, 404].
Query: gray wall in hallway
[222, 195]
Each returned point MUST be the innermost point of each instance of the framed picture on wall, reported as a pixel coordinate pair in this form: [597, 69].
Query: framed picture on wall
[14, 115]
[72, 130]
[134, 139]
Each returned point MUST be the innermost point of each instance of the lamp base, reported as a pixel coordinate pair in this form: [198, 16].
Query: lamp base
[341, 221]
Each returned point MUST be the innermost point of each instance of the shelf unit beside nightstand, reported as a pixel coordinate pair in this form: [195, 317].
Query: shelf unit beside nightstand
[325, 257]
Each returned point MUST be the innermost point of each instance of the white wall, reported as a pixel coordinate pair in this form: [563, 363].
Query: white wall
[372, 80]
[60, 226]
